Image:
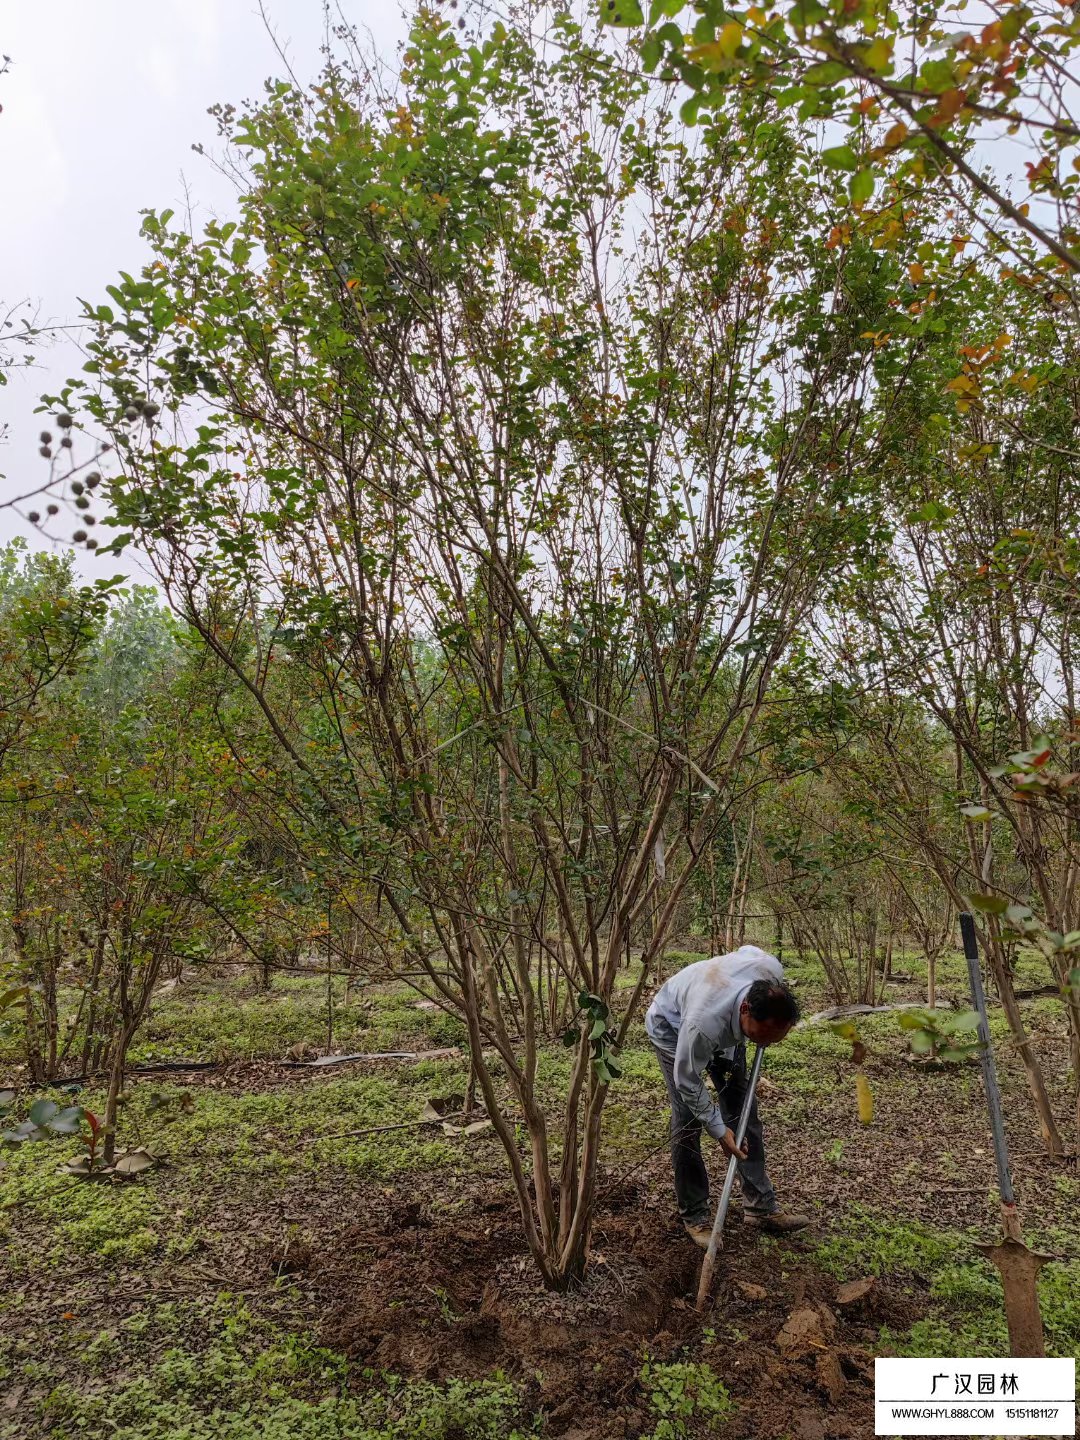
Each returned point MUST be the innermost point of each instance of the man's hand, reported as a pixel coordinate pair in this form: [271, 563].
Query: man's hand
[727, 1144]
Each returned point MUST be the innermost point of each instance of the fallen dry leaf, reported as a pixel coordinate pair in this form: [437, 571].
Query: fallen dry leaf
[854, 1292]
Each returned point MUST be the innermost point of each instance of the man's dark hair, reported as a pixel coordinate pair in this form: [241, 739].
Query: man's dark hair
[773, 1002]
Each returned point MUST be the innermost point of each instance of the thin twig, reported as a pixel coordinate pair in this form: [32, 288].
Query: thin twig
[382, 1129]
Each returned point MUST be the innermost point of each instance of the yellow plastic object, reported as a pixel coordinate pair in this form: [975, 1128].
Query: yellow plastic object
[865, 1098]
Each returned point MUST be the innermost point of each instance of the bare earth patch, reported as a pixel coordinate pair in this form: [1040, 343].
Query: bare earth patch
[437, 1296]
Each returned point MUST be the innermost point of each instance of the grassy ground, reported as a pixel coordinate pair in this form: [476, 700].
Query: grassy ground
[180, 1306]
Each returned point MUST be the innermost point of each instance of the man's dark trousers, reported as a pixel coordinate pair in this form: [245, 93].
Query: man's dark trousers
[691, 1176]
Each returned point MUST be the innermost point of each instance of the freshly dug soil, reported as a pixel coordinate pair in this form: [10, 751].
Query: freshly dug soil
[438, 1296]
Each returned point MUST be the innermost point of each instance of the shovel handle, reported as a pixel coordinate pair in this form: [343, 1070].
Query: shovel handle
[705, 1282]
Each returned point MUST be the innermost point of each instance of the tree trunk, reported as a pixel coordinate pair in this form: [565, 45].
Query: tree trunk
[116, 1084]
[91, 1008]
[1043, 1110]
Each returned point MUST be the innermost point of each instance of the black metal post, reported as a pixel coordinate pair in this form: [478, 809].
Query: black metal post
[986, 1059]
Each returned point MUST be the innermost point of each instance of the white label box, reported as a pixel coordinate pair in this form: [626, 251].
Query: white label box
[974, 1396]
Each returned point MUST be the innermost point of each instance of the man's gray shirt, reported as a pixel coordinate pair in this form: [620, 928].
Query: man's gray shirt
[695, 1017]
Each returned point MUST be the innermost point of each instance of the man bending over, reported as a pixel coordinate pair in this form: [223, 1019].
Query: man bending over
[699, 1024]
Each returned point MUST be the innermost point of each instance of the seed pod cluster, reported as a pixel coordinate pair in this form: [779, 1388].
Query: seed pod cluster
[141, 408]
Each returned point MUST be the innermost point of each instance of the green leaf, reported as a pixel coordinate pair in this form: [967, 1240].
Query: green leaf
[938, 75]
[651, 50]
[921, 1042]
[688, 111]
[861, 187]
[954, 1055]
[989, 904]
[570, 1037]
[621, 13]
[664, 7]
[594, 1005]
[599, 1025]
[840, 157]
[912, 1020]
[878, 55]
[25, 1130]
[932, 513]
[966, 1020]
[42, 1111]
[976, 812]
[828, 72]
[68, 1122]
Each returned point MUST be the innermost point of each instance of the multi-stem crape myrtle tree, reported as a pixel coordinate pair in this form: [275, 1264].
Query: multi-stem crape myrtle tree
[919, 96]
[967, 633]
[500, 446]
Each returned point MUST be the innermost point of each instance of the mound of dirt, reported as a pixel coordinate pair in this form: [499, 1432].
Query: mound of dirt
[437, 1296]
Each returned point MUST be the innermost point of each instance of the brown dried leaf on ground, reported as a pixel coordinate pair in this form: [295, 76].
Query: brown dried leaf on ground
[854, 1292]
[134, 1162]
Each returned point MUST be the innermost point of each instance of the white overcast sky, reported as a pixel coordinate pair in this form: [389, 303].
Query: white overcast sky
[101, 105]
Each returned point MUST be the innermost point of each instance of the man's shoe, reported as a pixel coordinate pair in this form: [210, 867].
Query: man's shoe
[777, 1222]
[700, 1233]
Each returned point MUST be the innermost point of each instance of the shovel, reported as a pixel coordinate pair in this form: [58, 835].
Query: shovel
[1017, 1265]
[707, 1265]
